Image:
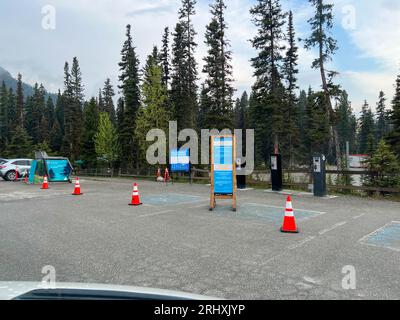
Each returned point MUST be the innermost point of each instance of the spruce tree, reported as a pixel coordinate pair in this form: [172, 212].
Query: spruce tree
[346, 123]
[268, 92]
[3, 116]
[56, 137]
[394, 135]
[153, 112]
[20, 145]
[218, 70]
[165, 58]
[321, 25]
[59, 111]
[108, 95]
[129, 84]
[184, 68]
[20, 101]
[290, 71]
[91, 120]
[106, 140]
[381, 114]
[366, 136]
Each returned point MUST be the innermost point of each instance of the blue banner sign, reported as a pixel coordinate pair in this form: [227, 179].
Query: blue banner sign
[223, 165]
[180, 160]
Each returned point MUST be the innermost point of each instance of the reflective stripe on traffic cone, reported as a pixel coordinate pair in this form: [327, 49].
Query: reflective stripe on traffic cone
[45, 184]
[289, 222]
[77, 189]
[135, 196]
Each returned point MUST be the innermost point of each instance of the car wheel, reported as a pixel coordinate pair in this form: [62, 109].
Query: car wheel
[10, 176]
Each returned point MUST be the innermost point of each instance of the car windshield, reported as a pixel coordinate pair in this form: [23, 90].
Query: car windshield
[245, 149]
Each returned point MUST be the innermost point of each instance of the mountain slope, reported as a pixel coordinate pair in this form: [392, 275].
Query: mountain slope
[11, 82]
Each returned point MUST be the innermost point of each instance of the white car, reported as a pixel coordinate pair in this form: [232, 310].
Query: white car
[8, 170]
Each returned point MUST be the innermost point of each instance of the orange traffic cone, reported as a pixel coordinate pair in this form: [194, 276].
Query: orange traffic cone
[135, 196]
[166, 175]
[77, 189]
[289, 222]
[45, 184]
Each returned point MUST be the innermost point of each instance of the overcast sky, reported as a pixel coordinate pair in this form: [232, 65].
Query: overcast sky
[94, 30]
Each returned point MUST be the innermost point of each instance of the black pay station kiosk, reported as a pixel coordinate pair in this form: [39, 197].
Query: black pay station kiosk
[319, 163]
[276, 172]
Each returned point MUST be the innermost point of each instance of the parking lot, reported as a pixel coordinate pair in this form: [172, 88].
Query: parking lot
[174, 242]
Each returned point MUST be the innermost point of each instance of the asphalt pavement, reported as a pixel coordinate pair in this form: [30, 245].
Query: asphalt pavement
[174, 242]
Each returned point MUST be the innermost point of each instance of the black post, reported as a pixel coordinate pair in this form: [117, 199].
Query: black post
[276, 172]
[319, 163]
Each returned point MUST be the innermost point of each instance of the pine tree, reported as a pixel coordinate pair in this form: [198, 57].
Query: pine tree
[129, 79]
[20, 101]
[290, 71]
[67, 102]
[366, 136]
[381, 114]
[50, 113]
[35, 109]
[108, 95]
[20, 145]
[153, 112]
[165, 58]
[218, 68]
[268, 92]
[321, 24]
[91, 121]
[394, 135]
[184, 68]
[12, 113]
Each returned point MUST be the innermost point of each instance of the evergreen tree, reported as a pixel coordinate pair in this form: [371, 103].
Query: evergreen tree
[290, 70]
[301, 123]
[152, 113]
[165, 58]
[268, 92]
[384, 167]
[321, 24]
[218, 68]
[76, 109]
[56, 137]
[12, 113]
[50, 113]
[346, 123]
[20, 101]
[366, 136]
[67, 102]
[129, 79]
[3, 116]
[35, 109]
[106, 140]
[91, 120]
[184, 73]
[394, 136]
[20, 144]
[108, 95]
[382, 117]
[59, 111]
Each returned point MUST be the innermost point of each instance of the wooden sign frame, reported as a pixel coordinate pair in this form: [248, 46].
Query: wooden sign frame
[213, 196]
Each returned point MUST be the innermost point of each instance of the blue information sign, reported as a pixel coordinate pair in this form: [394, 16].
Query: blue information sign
[223, 165]
[180, 160]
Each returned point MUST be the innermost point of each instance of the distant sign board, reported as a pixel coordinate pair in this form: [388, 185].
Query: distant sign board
[180, 160]
[356, 161]
[223, 169]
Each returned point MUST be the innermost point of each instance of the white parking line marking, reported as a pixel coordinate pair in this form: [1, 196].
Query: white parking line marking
[301, 243]
[337, 225]
[154, 214]
[376, 231]
[360, 216]
[276, 207]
